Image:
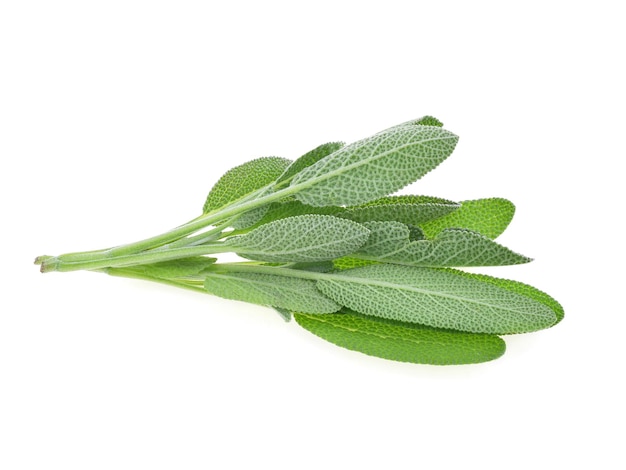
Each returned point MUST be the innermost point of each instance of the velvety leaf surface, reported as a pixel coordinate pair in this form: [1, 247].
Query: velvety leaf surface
[391, 242]
[266, 289]
[302, 238]
[243, 180]
[521, 289]
[412, 210]
[282, 210]
[373, 167]
[437, 298]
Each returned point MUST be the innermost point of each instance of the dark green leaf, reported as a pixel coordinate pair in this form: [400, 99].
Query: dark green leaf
[401, 341]
[413, 210]
[309, 159]
[243, 180]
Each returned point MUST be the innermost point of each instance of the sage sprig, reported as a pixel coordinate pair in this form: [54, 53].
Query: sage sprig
[324, 241]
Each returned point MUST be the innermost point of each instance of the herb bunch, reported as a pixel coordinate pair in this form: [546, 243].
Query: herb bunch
[323, 241]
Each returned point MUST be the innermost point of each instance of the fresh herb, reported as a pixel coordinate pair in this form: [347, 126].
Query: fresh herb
[325, 243]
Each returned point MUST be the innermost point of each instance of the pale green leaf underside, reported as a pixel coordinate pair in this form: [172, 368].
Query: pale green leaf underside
[390, 242]
[309, 159]
[302, 238]
[373, 167]
[243, 180]
[437, 298]
[487, 216]
[412, 210]
[519, 288]
[289, 293]
[402, 342]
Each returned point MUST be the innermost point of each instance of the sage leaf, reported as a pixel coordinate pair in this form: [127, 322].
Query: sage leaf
[423, 121]
[401, 341]
[413, 210]
[308, 159]
[437, 298]
[272, 290]
[487, 216]
[244, 180]
[519, 288]
[303, 238]
[292, 208]
[249, 218]
[373, 167]
[317, 267]
[429, 121]
[284, 313]
[391, 242]
[350, 262]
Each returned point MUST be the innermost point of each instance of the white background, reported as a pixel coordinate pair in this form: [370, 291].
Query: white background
[116, 119]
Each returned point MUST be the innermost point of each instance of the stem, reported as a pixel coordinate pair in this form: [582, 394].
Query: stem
[199, 239]
[110, 257]
[154, 256]
[199, 223]
[121, 272]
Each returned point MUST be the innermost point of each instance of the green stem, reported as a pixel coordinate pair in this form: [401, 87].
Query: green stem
[104, 258]
[199, 239]
[199, 223]
[121, 272]
[154, 256]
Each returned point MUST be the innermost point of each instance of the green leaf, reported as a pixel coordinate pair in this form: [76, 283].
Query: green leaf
[243, 180]
[437, 298]
[292, 208]
[309, 159]
[249, 218]
[423, 121]
[173, 269]
[373, 167]
[429, 121]
[519, 288]
[349, 262]
[487, 216]
[303, 238]
[317, 267]
[412, 210]
[415, 233]
[284, 313]
[391, 242]
[271, 290]
[401, 341]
